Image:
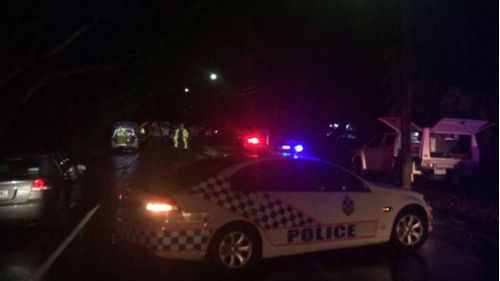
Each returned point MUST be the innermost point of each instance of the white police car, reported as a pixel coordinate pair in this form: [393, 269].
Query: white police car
[236, 212]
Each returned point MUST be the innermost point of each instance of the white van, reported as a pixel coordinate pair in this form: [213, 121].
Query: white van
[125, 136]
[451, 146]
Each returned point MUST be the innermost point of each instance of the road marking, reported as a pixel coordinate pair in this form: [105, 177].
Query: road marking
[48, 263]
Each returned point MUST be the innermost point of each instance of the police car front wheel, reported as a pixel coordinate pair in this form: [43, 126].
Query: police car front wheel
[409, 230]
[235, 248]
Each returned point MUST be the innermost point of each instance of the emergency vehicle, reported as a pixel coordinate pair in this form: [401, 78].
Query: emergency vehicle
[125, 136]
[236, 211]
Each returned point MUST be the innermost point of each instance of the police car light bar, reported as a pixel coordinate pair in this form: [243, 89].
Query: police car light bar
[298, 148]
[286, 147]
[253, 140]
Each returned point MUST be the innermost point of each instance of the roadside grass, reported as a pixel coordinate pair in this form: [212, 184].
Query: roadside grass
[473, 202]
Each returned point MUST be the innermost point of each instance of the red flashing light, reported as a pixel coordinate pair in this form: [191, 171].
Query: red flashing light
[253, 140]
[39, 184]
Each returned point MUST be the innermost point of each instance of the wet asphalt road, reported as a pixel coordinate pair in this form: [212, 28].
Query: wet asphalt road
[451, 252]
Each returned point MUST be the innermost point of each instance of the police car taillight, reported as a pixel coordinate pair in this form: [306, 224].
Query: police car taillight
[162, 206]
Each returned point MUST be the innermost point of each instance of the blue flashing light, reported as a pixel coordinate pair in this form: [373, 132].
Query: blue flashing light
[291, 155]
[286, 147]
[298, 148]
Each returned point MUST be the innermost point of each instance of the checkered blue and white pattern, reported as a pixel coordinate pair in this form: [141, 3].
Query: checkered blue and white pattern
[167, 240]
[261, 208]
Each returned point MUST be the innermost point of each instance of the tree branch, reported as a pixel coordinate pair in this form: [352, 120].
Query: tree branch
[30, 58]
[19, 67]
[82, 70]
[70, 39]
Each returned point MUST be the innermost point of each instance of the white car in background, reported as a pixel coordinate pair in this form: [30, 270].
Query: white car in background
[235, 212]
[125, 136]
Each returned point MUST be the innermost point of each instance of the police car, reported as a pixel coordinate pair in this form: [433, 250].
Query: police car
[235, 212]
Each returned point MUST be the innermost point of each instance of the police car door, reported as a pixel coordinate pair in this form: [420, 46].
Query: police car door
[275, 200]
[345, 208]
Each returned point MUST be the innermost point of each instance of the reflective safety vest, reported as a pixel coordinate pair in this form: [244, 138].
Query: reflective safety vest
[185, 136]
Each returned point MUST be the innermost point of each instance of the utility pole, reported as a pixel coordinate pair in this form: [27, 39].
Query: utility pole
[407, 81]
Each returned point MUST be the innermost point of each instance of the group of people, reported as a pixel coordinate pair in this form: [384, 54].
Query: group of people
[166, 135]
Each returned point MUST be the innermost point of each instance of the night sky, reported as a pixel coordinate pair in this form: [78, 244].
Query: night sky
[281, 63]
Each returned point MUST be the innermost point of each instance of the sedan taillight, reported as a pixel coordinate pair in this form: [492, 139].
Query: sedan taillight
[39, 184]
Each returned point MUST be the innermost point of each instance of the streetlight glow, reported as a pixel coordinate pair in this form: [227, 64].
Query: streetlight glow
[186, 90]
[213, 76]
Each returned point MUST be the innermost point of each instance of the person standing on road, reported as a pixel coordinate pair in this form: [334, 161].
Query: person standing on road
[181, 134]
[165, 132]
[155, 136]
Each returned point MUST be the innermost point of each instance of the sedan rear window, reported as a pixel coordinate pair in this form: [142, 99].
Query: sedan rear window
[27, 168]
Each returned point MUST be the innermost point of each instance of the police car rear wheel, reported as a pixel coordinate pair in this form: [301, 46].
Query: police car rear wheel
[234, 249]
[409, 231]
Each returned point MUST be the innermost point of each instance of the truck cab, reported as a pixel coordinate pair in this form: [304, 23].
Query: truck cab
[380, 154]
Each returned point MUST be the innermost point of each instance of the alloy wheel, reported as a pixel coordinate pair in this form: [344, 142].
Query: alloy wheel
[235, 249]
[409, 230]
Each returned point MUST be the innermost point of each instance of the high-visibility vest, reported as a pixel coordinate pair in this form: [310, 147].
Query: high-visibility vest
[185, 136]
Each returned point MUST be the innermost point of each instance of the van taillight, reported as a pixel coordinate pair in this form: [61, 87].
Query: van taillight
[39, 184]
[427, 164]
